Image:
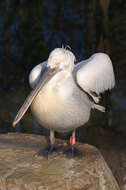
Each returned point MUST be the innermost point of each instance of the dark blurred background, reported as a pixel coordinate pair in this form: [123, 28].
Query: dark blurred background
[29, 30]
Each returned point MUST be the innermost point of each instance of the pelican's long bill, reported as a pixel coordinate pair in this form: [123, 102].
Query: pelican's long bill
[46, 76]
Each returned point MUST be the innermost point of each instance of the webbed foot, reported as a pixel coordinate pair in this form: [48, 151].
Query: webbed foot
[50, 150]
[71, 152]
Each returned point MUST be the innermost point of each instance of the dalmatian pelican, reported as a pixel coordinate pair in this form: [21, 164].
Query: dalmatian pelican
[63, 93]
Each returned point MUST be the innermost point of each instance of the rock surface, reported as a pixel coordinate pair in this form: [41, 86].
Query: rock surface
[22, 169]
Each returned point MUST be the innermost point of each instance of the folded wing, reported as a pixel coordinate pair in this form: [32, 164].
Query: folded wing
[36, 72]
[95, 75]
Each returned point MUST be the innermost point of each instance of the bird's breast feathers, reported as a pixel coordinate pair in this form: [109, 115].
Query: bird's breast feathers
[46, 103]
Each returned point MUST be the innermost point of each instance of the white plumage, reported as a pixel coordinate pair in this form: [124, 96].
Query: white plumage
[95, 74]
[35, 73]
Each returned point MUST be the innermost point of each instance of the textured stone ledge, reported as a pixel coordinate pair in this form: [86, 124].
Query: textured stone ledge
[20, 169]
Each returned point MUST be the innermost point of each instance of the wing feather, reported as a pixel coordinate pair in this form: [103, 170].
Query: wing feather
[95, 74]
[35, 73]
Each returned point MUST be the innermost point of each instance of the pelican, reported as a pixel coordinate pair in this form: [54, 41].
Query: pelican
[63, 93]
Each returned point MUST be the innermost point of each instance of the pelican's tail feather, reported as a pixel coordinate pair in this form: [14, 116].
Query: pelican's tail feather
[98, 107]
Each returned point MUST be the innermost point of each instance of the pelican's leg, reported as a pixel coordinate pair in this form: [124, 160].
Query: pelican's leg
[51, 148]
[71, 150]
[52, 137]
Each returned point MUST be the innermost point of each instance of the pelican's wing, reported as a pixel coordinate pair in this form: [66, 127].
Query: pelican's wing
[95, 75]
[35, 73]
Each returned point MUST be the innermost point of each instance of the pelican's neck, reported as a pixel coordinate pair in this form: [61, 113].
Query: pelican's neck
[59, 78]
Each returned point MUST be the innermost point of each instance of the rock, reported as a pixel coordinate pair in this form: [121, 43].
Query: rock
[22, 169]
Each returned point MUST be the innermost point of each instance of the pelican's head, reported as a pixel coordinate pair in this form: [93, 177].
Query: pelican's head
[62, 59]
